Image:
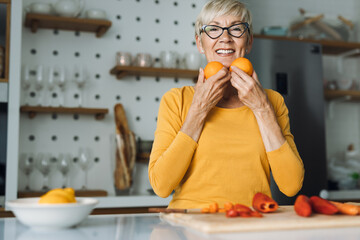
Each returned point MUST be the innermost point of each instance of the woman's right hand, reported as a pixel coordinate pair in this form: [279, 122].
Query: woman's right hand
[208, 92]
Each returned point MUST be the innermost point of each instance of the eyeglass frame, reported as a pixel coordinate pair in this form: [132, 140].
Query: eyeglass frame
[225, 28]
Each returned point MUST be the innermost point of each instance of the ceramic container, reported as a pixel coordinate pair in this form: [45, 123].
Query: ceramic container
[69, 8]
[95, 14]
[39, 7]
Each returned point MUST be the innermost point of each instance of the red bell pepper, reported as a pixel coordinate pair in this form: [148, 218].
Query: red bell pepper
[256, 214]
[242, 208]
[244, 214]
[323, 206]
[302, 206]
[232, 213]
[263, 203]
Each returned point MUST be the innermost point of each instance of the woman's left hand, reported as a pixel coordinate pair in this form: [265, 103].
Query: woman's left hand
[250, 91]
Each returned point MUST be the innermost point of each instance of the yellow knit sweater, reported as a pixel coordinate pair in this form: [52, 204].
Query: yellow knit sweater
[228, 163]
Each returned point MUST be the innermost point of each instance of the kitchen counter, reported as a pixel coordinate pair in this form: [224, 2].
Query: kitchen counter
[150, 226]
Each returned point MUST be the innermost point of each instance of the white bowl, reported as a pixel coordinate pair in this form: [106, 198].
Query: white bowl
[95, 14]
[51, 216]
[39, 7]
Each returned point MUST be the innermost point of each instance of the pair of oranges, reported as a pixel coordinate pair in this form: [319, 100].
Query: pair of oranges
[243, 63]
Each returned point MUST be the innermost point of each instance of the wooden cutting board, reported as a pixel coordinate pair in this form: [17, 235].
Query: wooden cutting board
[283, 219]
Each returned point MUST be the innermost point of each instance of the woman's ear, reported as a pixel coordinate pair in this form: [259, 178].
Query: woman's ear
[198, 44]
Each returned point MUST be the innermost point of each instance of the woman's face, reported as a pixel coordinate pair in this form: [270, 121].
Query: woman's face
[226, 48]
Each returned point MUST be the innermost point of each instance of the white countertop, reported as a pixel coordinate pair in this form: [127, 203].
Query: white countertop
[150, 226]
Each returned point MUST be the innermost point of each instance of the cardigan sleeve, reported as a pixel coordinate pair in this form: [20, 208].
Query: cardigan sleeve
[285, 162]
[172, 149]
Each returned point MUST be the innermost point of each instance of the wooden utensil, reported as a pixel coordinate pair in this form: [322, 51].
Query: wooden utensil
[306, 22]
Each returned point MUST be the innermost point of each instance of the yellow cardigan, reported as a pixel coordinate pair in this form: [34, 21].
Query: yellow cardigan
[228, 163]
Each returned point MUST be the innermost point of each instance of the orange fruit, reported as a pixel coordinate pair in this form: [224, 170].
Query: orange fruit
[212, 68]
[244, 64]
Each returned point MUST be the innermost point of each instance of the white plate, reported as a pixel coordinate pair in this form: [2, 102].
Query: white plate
[51, 216]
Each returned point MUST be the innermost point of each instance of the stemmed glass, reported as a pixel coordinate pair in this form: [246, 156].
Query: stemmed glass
[59, 79]
[25, 83]
[50, 84]
[85, 163]
[63, 165]
[26, 164]
[39, 82]
[43, 164]
[80, 77]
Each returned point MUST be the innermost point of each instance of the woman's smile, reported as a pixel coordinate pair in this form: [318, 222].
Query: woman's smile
[225, 52]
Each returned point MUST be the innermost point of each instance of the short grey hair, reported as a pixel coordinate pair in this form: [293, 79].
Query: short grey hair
[217, 8]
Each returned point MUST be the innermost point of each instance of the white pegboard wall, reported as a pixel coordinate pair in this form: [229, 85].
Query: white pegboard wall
[137, 27]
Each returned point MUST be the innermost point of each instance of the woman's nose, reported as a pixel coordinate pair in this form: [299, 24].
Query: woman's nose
[225, 37]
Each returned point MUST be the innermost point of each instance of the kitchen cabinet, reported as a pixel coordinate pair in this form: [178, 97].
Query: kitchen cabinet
[36, 21]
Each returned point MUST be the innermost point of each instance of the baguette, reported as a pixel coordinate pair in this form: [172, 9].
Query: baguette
[126, 150]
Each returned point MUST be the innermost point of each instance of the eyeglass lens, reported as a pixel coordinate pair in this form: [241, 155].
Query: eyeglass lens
[214, 31]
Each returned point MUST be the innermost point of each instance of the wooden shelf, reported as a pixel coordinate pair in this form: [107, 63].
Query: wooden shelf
[3, 80]
[335, 94]
[122, 71]
[329, 47]
[36, 21]
[33, 110]
[78, 193]
[143, 157]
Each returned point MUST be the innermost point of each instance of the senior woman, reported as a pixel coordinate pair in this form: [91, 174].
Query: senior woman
[219, 140]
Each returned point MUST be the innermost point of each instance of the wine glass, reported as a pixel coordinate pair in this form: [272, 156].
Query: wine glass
[80, 77]
[63, 165]
[43, 164]
[25, 83]
[60, 81]
[85, 163]
[50, 85]
[39, 83]
[26, 164]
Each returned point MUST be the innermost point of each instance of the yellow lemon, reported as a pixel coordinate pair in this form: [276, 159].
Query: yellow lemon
[59, 195]
[70, 191]
[53, 198]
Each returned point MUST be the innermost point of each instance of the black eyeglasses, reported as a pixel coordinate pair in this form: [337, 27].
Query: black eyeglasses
[236, 30]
